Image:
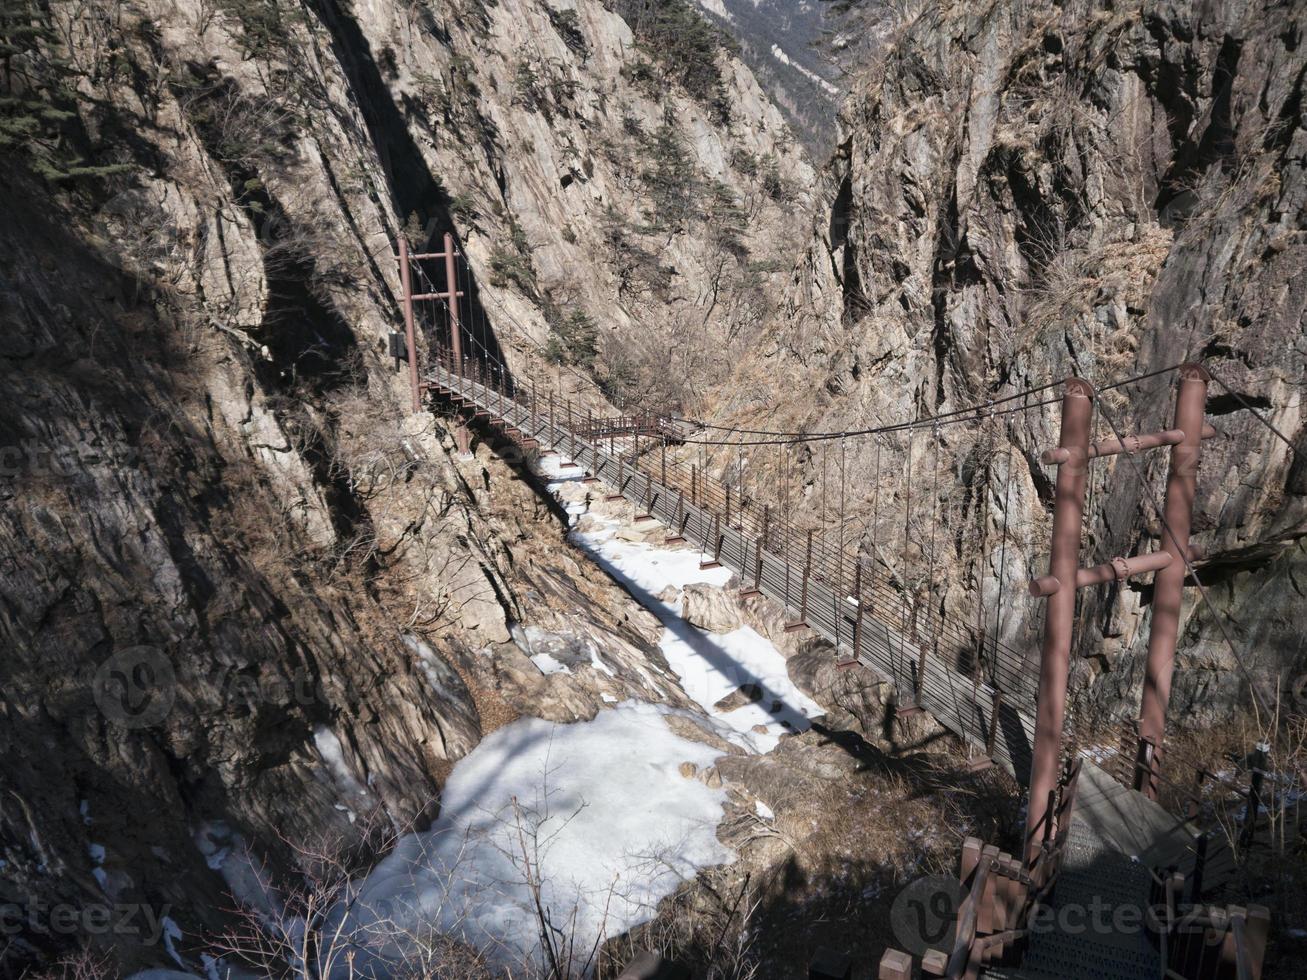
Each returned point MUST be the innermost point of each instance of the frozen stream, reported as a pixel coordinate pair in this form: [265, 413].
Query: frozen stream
[592, 823]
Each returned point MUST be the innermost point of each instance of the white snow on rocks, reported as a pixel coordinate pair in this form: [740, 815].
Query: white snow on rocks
[779, 54]
[644, 569]
[548, 665]
[710, 666]
[595, 817]
[333, 756]
[595, 813]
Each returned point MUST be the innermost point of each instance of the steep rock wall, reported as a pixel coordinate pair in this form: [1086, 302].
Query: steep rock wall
[239, 583]
[1029, 191]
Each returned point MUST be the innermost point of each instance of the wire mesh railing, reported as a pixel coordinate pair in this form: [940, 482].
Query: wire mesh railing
[972, 682]
[932, 661]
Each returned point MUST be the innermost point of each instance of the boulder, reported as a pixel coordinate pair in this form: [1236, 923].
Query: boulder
[746, 693]
[710, 609]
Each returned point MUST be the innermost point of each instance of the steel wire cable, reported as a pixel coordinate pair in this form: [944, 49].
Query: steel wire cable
[495, 359]
[1256, 414]
[968, 413]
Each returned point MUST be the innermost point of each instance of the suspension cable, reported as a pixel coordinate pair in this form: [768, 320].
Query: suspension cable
[1256, 414]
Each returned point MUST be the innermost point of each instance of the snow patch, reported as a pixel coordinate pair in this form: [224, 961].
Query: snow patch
[712, 666]
[718, 8]
[606, 818]
[333, 755]
[438, 674]
[548, 665]
[172, 932]
[779, 54]
[226, 852]
[641, 567]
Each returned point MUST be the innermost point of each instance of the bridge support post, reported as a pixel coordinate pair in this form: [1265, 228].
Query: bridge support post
[462, 438]
[570, 463]
[1055, 656]
[1168, 584]
[410, 331]
[756, 587]
[678, 521]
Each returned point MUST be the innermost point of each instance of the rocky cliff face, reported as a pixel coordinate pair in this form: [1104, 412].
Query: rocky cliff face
[1027, 191]
[240, 585]
[782, 42]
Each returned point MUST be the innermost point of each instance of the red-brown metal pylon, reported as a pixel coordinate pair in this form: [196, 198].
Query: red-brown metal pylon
[1055, 657]
[1066, 576]
[451, 294]
[1168, 585]
[410, 332]
[461, 436]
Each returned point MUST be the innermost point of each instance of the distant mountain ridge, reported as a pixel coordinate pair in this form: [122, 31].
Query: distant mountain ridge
[776, 41]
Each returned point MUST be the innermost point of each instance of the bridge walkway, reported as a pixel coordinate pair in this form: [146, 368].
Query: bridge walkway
[961, 702]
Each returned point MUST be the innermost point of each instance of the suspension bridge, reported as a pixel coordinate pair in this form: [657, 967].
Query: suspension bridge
[1091, 832]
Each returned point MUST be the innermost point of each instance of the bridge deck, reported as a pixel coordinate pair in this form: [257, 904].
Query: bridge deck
[960, 702]
[1098, 930]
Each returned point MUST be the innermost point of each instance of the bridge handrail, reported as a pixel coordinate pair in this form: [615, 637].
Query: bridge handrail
[977, 648]
[991, 921]
[942, 651]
